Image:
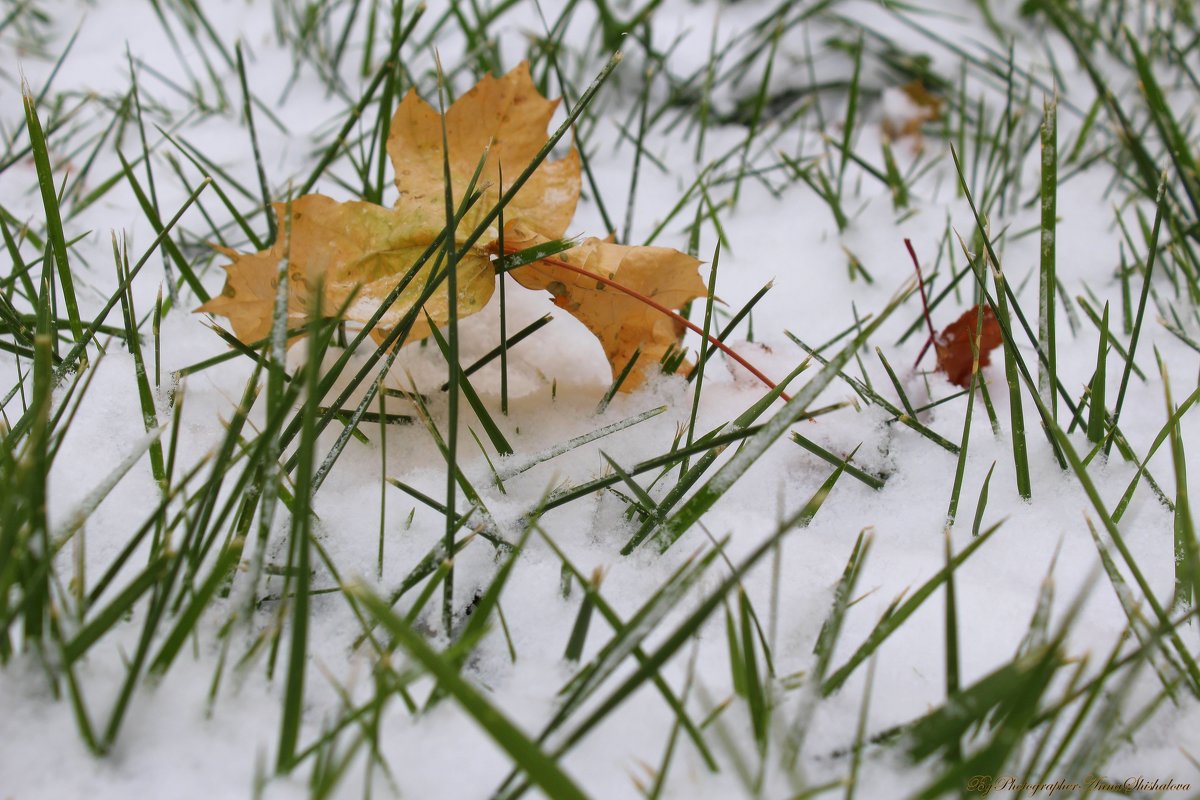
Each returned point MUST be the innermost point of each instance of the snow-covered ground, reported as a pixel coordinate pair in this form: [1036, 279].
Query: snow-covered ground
[180, 741]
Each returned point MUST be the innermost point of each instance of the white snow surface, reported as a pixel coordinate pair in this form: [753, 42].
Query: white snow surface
[177, 744]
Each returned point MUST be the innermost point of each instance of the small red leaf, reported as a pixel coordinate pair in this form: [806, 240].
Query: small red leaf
[953, 344]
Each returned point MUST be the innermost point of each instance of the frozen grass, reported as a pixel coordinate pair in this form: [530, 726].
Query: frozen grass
[348, 570]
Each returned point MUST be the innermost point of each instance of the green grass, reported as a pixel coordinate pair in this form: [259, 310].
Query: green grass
[230, 561]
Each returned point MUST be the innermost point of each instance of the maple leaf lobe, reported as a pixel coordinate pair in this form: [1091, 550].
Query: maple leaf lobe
[622, 322]
[505, 117]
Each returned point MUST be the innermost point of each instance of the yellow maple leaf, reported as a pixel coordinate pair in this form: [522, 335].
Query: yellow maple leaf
[358, 251]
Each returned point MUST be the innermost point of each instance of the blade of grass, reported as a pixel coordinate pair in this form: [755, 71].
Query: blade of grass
[538, 766]
[755, 446]
[892, 621]
[1047, 280]
[1151, 253]
[54, 227]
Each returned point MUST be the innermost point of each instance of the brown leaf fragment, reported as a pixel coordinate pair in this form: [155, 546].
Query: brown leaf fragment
[953, 345]
[907, 108]
[621, 321]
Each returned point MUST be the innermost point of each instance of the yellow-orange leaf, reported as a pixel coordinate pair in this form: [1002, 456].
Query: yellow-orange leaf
[621, 321]
[359, 251]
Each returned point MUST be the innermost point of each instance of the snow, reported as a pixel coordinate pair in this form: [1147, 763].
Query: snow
[177, 743]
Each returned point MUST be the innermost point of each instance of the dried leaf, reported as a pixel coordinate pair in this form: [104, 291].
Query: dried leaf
[621, 322]
[953, 344]
[358, 251]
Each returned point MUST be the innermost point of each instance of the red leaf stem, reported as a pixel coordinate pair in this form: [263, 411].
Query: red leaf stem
[924, 302]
